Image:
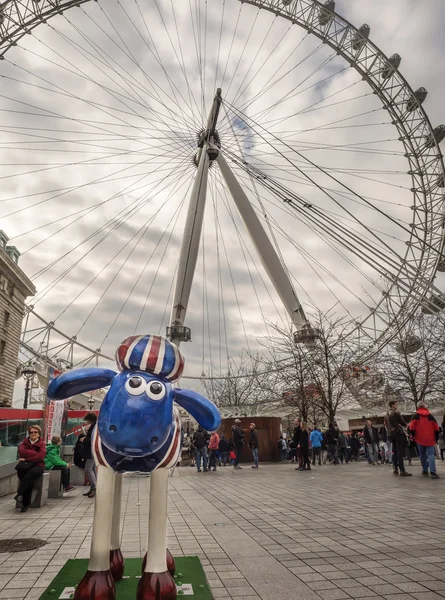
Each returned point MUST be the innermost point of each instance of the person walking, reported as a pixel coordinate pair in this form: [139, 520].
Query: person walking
[224, 450]
[213, 447]
[316, 438]
[89, 423]
[343, 448]
[395, 426]
[304, 446]
[253, 444]
[238, 441]
[331, 437]
[425, 431]
[371, 438]
[200, 440]
[30, 466]
[282, 448]
[354, 442]
[54, 462]
[296, 439]
[442, 443]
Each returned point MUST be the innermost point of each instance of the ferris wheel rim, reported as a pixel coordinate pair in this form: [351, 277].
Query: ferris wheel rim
[20, 18]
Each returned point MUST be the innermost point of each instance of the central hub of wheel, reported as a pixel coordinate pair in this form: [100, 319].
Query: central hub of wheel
[212, 150]
[208, 137]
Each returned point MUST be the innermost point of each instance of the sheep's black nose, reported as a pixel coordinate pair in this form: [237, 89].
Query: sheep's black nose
[154, 440]
[113, 428]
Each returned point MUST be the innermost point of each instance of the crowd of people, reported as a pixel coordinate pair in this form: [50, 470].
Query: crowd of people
[393, 443]
[35, 457]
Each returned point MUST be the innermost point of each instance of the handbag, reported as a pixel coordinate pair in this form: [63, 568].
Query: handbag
[24, 466]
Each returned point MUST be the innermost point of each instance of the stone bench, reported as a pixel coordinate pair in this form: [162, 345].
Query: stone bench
[40, 492]
[54, 489]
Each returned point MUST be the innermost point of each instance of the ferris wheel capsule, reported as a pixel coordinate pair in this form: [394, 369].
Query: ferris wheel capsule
[326, 16]
[286, 2]
[361, 36]
[435, 303]
[393, 64]
[307, 335]
[436, 137]
[410, 345]
[417, 100]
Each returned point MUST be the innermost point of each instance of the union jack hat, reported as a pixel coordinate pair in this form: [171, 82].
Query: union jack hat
[151, 353]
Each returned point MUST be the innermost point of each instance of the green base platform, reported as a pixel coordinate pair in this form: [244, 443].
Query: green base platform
[190, 579]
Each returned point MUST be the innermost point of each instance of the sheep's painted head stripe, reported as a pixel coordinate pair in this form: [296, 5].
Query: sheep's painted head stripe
[151, 353]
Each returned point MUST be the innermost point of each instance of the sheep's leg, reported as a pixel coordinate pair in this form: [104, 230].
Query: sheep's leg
[98, 583]
[116, 558]
[156, 582]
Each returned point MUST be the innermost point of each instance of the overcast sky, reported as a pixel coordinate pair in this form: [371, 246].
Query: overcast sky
[100, 112]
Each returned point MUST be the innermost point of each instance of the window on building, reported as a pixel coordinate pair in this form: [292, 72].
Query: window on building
[2, 349]
[6, 319]
[3, 283]
[11, 290]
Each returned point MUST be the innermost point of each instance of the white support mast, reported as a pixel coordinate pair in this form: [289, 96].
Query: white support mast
[177, 332]
[267, 253]
[208, 151]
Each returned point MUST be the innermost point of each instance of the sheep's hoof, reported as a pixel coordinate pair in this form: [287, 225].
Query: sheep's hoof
[156, 586]
[116, 564]
[97, 585]
[171, 567]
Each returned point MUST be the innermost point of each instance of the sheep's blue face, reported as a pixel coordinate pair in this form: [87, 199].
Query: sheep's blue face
[136, 416]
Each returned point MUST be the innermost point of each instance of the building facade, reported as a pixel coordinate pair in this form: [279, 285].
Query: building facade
[15, 287]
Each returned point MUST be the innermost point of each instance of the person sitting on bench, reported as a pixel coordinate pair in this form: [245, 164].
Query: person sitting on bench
[30, 466]
[53, 462]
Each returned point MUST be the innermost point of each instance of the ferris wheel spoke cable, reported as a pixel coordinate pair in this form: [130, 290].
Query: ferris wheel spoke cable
[125, 214]
[95, 181]
[197, 44]
[293, 92]
[229, 54]
[180, 59]
[222, 325]
[220, 190]
[155, 53]
[161, 260]
[91, 79]
[108, 62]
[144, 230]
[226, 201]
[218, 224]
[262, 173]
[367, 202]
[129, 55]
[331, 230]
[317, 216]
[323, 238]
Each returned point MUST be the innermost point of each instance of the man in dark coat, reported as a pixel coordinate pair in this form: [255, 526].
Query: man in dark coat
[201, 440]
[396, 426]
[296, 438]
[238, 441]
[371, 438]
[89, 423]
[253, 444]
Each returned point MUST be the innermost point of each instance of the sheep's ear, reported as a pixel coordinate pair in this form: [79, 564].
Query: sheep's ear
[79, 381]
[201, 409]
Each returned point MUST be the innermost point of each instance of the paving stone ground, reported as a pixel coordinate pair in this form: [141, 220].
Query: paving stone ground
[350, 531]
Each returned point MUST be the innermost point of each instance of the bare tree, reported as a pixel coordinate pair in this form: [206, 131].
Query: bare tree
[245, 384]
[413, 364]
[314, 375]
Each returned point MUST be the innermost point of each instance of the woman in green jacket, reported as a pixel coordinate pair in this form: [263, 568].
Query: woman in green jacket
[54, 462]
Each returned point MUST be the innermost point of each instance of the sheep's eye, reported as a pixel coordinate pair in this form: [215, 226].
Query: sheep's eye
[135, 386]
[155, 390]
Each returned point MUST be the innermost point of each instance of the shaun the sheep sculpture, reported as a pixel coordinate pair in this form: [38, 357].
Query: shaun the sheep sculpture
[138, 429]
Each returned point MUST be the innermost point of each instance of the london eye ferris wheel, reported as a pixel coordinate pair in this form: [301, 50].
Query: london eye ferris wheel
[210, 166]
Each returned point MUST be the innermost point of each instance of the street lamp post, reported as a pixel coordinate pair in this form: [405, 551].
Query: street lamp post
[29, 376]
